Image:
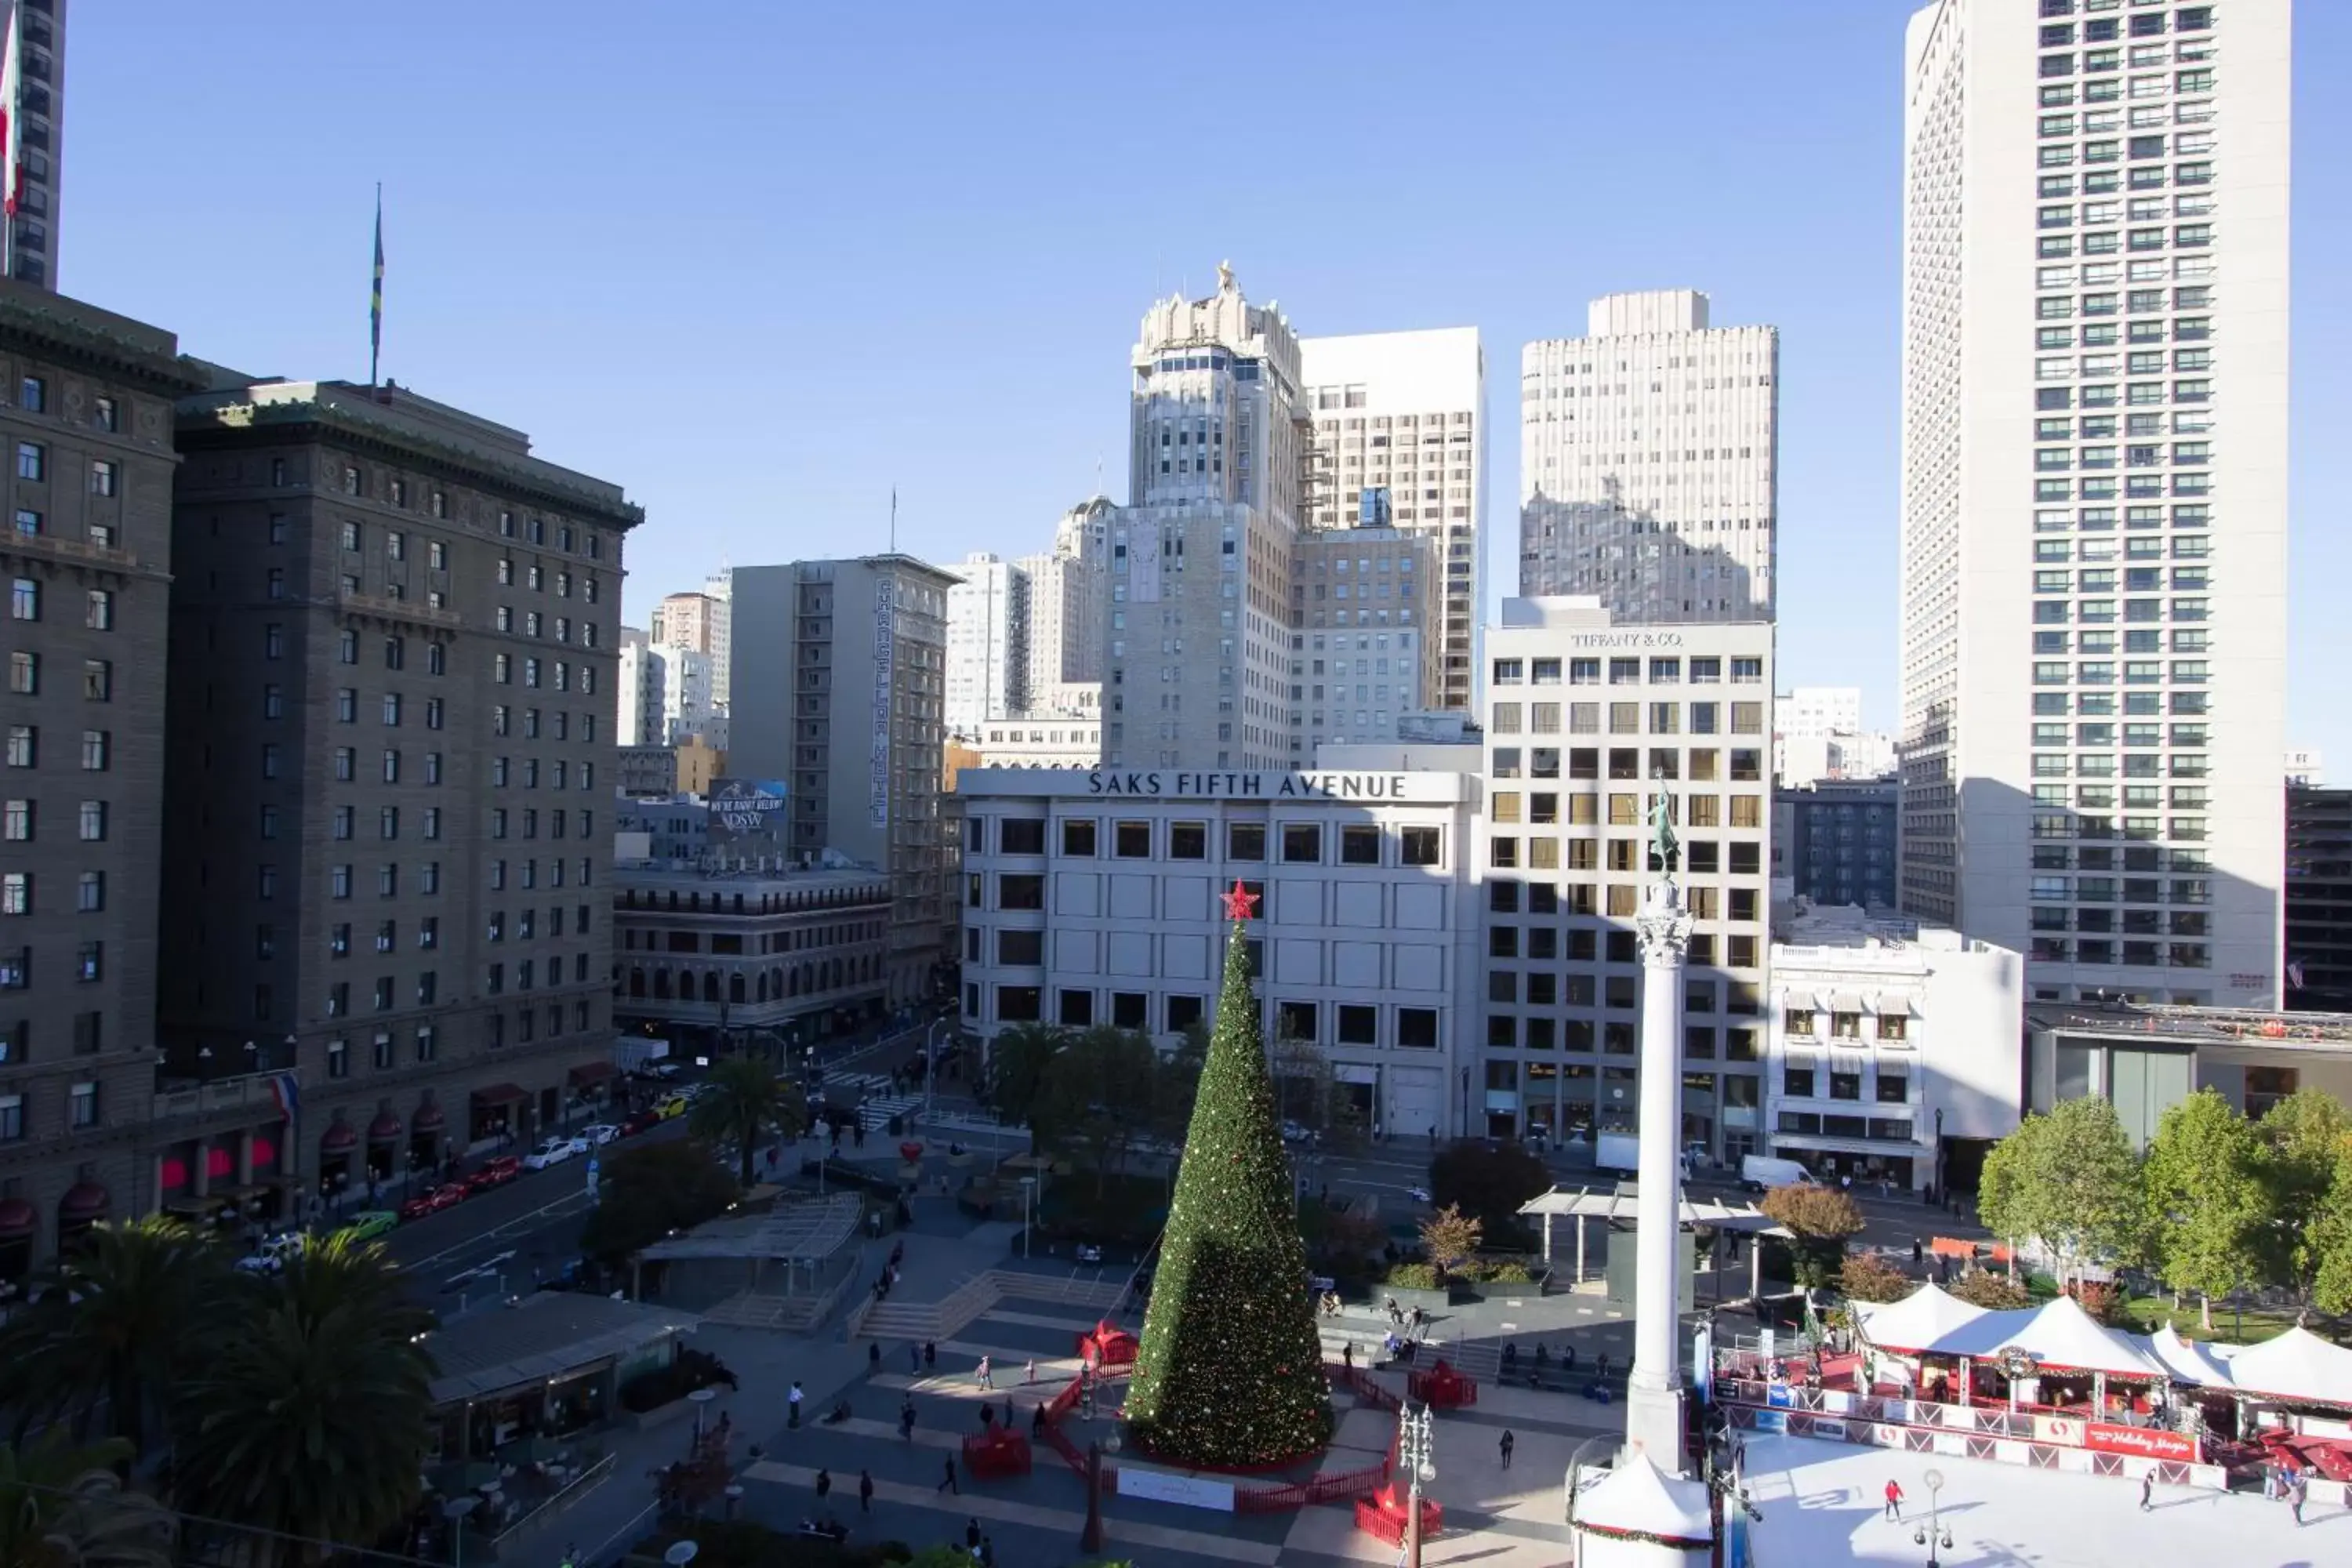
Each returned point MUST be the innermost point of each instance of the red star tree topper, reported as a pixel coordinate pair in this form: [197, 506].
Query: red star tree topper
[1241, 904]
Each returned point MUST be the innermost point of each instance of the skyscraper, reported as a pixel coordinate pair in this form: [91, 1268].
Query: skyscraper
[1400, 440]
[2094, 402]
[1199, 646]
[988, 642]
[1648, 461]
[40, 111]
[840, 672]
[1069, 593]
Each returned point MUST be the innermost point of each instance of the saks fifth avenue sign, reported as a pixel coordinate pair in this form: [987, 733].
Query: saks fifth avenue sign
[1185, 783]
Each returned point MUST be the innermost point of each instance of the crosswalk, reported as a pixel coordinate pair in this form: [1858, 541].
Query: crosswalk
[878, 1100]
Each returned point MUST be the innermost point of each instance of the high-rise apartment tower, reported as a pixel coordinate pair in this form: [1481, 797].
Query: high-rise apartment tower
[2094, 432]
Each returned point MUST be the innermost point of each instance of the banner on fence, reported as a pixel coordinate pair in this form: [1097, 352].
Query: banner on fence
[2148, 1442]
[2062, 1430]
[1188, 1491]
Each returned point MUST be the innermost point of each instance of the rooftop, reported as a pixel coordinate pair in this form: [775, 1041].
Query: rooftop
[2194, 1025]
[539, 1337]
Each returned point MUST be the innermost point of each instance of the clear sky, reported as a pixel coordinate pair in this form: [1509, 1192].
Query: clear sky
[762, 262]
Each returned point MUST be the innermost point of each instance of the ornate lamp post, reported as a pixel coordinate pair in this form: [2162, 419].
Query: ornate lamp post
[1416, 1454]
[1090, 1539]
[1932, 1533]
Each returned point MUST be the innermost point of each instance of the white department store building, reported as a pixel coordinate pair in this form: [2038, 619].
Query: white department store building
[1893, 1048]
[1091, 897]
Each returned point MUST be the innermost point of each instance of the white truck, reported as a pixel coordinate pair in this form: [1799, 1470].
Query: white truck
[635, 1055]
[1621, 1153]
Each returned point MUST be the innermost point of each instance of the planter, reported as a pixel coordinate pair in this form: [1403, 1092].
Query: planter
[1497, 1290]
[659, 1415]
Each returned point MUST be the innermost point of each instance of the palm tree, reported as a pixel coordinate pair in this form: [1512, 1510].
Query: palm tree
[116, 1321]
[312, 1417]
[64, 1507]
[740, 1103]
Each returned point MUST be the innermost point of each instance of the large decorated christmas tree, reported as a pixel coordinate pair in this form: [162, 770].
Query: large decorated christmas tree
[1230, 1373]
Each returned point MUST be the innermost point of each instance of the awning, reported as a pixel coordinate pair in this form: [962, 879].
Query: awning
[593, 1072]
[428, 1119]
[339, 1140]
[18, 1219]
[83, 1202]
[1844, 1002]
[385, 1129]
[500, 1094]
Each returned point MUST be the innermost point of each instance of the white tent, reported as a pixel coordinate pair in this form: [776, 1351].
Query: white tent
[1919, 1320]
[2185, 1359]
[1636, 1498]
[2297, 1364]
[2060, 1335]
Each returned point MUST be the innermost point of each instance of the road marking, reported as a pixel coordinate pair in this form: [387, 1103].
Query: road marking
[559, 1207]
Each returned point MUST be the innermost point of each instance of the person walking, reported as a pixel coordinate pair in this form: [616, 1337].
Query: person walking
[792, 1404]
[948, 1479]
[930, 1356]
[981, 1374]
[874, 1357]
[865, 1491]
[987, 1552]
[2269, 1483]
[906, 1420]
[2298, 1492]
[823, 1486]
[1919, 1252]
[972, 1535]
[1510, 1441]
[1894, 1499]
[2147, 1490]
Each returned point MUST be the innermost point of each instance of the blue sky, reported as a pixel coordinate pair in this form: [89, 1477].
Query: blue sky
[762, 263]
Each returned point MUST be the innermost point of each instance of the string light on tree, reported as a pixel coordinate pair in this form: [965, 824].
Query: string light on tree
[1230, 1371]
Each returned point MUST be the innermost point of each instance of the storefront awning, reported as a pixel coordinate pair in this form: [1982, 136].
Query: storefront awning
[593, 1072]
[500, 1094]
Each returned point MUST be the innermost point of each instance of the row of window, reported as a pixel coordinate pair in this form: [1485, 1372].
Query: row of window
[1609, 1037]
[25, 677]
[81, 1099]
[16, 967]
[19, 820]
[1624, 809]
[1625, 762]
[33, 467]
[1625, 718]
[1352, 1023]
[24, 603]
[24, 748]
[17, 889]
[1300, 843]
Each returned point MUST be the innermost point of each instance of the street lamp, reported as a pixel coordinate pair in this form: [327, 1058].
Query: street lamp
[1028, 1192]
[1416, 1444]
[1932, 1533]
[455, 1511]
[929, 1053]
[1090, 1539]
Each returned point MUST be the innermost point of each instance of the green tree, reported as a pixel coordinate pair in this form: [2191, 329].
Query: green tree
[1866, 1277]
[66, 1507]
[2206, 1201]
[312, 1415]
[1098, 1097]
[1017, 1061]
[1489, 1185]
[1230, 1371]
[2332, 1237]
[118, 1319]
[1993, 1292]
[2300, 1136]
[741, 1104]
[2069, 1180]
[1822, 1218]
[652, 1190]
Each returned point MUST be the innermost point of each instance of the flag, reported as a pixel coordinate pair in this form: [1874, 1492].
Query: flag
[375, 298]
[286, 1088]
[11, 175]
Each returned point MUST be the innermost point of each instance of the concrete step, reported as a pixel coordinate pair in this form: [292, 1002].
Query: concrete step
[751, 1310]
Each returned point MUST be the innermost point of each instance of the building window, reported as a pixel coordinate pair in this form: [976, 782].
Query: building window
[1132, 840]
[1302, 843]
[1078, 838]
[24, 600]
[105, 476]
[32, 461]
[81, 1099]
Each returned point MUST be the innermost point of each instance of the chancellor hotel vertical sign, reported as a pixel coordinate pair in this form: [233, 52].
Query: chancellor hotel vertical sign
[878, 761]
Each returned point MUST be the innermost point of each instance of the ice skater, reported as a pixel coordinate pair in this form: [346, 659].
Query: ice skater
[982, 1374]
[1894, 1499]
[1510, 1441]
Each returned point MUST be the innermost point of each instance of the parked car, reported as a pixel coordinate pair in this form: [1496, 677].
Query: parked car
[495, 1171]
[674, 1106]
[599, 1133]
[1292, 1132]
[554, 1152]
[272, 1255]
[433, 1200]
[658, 1071]
[369, 1224]
[637, 1121]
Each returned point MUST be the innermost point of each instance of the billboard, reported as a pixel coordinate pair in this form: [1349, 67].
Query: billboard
[744, 808]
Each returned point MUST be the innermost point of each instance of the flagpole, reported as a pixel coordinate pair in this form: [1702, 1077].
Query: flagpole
[893, 520]
[375, 296]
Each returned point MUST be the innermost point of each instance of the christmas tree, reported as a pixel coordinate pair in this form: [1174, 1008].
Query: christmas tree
[1230, 1371]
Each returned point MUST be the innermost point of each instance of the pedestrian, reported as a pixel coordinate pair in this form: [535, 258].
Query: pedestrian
[2269, 1483]
[948, 1479]
[1919, 1252]
[1894, 1499]
[907, 1421]
[930, 1356]
[2298, 1490]
[793, 1401]
[1348, 1354]
[823, 1486]
[1510, 1441]
[982, 1374]
[972, 1535]
[1029, 1372]
[865, 1491]
[2146, 1488]
[874, 1357]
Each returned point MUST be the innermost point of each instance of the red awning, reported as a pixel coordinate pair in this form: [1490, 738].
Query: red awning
[18, 1219]
[593, 1072]
[501, 1094]
[339, 1140]
[385, 1129]
[83, 1202]
[428, 1119]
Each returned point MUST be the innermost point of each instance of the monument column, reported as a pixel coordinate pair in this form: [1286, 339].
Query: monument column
[1654, 1402]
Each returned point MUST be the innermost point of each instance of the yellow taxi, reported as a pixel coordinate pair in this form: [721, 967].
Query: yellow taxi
[674, 1106]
